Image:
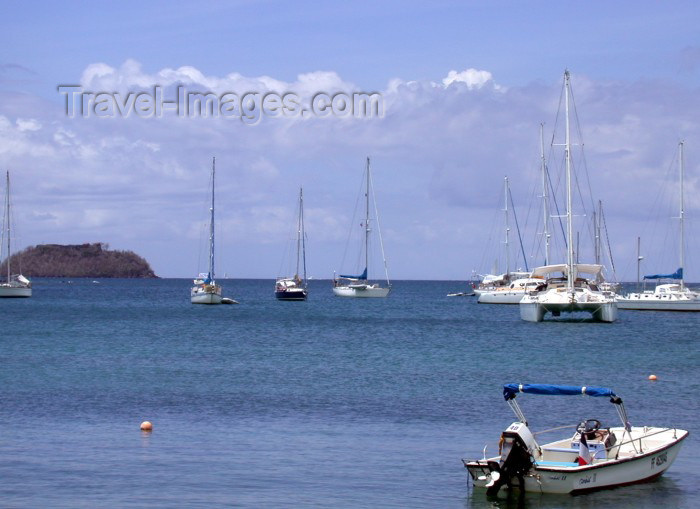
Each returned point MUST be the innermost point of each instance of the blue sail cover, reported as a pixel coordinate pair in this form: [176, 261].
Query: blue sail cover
[676, 275]
[511, 390]
[361, 276]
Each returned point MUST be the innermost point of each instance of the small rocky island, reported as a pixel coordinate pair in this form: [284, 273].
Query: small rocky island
[79, 260]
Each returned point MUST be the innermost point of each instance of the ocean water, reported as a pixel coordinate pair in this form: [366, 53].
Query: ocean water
[326, 403]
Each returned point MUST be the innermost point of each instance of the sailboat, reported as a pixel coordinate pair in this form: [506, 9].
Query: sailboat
[359, 286]
[294, 288]
[669, 296]
[205, 289]
[566, 289]
[16, 285]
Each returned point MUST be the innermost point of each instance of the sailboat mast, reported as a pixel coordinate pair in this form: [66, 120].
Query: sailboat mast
[7, 218]
[296, 273]
[505, 210]
[545, 200]
[367, 228]
[569, 225]
[211, 224]
[302, 234]
[682, 210]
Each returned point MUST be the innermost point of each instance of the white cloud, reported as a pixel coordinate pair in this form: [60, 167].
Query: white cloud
[439, 156]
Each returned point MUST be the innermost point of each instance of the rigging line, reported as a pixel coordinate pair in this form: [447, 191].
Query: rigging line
[517, 228]
[352, 226]
[583, 154]
[553, 195]
[607, 240]
[379, 229]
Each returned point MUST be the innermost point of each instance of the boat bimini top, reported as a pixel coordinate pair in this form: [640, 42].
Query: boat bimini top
[510, 391]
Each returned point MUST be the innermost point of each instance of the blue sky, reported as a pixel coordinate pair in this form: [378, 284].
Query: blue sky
[439, 154]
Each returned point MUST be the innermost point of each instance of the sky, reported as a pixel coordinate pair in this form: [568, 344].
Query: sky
[464, 87]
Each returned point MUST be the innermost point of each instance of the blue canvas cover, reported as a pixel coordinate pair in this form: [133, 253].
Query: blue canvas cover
[511, 390]
[362, 276]
[676, 275]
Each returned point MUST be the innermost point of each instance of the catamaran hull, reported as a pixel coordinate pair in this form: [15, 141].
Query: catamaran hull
[15, 292]
[368, 292]
[500, 297]
[206, 298]
[623, 472]
[534, 311]
[658, 305]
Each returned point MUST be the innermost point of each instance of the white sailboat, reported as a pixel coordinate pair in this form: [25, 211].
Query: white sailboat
[16, 285]
[669, 296]
[359, 285]
[521, 283]
[205, 289]
[295, 288]
[565, 289]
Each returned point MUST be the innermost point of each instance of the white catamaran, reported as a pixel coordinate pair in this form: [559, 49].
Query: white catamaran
[16, 285]
[359, 286]
[295, 288]
[205, 289]
[670, 296]
[566, 290]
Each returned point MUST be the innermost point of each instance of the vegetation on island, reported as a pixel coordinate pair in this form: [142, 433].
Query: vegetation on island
[78, 260]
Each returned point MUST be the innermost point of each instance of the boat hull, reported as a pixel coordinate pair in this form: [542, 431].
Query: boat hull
[15, 292]
[503, 297]
[291, 294]
[611, 474]
[210, 295]
[658, 304]
[532, 310]
[361, 292]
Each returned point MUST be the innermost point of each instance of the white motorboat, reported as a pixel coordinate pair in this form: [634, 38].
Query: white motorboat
[205, 289]
[592, 458]
[570, 293]
[294, 288]
[669, 296]
[15, 285]
[359, 286]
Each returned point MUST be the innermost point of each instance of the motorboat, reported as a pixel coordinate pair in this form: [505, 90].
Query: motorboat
[593, 457]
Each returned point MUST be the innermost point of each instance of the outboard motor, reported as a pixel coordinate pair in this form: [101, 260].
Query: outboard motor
[517, 447]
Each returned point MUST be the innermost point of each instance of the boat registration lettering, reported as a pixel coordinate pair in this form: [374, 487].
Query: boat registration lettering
[657, 461]
[587, 480]
[561, 477]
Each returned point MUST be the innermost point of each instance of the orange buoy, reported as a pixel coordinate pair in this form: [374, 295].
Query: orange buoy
[652, 378]
[146, 426]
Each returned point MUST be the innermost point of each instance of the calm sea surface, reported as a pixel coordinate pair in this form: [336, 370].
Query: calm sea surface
[326, 403]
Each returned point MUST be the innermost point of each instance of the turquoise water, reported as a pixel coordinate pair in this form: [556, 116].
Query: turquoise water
[329, 402]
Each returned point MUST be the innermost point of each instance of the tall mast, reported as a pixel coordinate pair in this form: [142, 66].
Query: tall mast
[639, 259]
[211, 224]
[367, 228]
[545, 200]
[682, 211]
[302, 234]
[505, 211]
[569, 225]
[7, 216]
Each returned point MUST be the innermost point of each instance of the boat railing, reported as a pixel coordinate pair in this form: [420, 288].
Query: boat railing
[639, 439]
